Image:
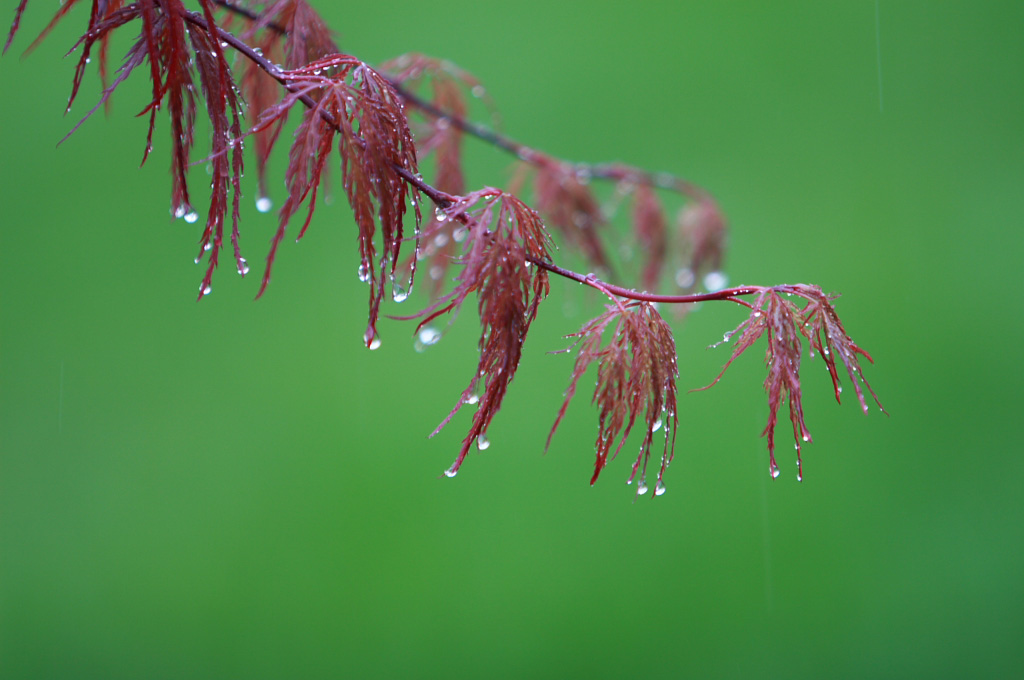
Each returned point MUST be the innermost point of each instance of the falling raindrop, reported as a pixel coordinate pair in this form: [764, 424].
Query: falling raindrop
[264, 204]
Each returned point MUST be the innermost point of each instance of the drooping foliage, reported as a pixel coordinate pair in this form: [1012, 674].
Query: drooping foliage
[636, 378]
[252, 64]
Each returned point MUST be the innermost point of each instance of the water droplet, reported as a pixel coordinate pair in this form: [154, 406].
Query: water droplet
[478, 91]
[179, 212]
[715, 281]
[659, 489]
[264, 204]
[207, 246]
[460, 234]
[192, 217]
[482, 442]
[799, 476]
[243, 267]
[371, 340]
[364, 273]
[774, 470]
[441, 240]
[398, 292]
[451, 472]
[641, 487]
[685, 277]
[656, 426]
[258, 51]
[440, 215]
[806, 438]
[207, 290]
[427, 336]
[472, 399]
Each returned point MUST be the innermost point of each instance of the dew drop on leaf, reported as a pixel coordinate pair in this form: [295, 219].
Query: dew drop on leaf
[264, 204]
[398, 293]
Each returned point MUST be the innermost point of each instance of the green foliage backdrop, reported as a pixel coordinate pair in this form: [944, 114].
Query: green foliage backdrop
[239, 490]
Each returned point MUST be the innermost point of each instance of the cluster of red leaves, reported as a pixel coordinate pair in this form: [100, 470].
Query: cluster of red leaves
[287, 32]
[345, 97]
[774, 313]
[636, 374]
[178, 45]
[505, 241]
[443, 88]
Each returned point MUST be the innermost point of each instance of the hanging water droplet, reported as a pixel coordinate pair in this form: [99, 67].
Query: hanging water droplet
[440, 215]
[472, 399]
[243, 267]
[482, 442]
[659, 489]
[371, 340]
[799, 476]
[685, 277]
[207, 290]
[197, 260]
[398, 293]
[641, 487]
[715, 281]
[207, 246]
[192, 217]
[656, 426]
[774, 470]
[364, 273]
[451, 472]
[427, 336]
[179, 212]
[806, 438]
[264, 204]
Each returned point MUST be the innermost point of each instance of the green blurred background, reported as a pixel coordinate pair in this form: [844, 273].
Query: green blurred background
[234, 489]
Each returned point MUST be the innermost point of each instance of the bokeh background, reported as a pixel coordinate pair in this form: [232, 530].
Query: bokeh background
[237, 489]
